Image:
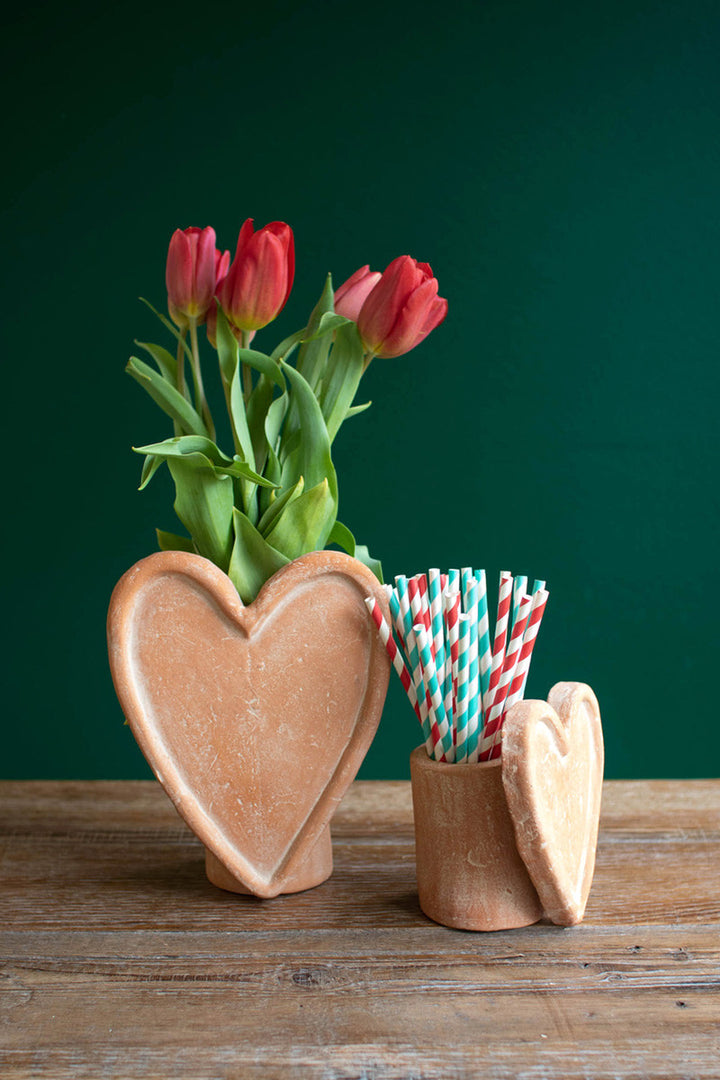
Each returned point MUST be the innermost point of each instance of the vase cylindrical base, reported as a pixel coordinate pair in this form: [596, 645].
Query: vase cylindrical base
[315, 869]
[469, 872]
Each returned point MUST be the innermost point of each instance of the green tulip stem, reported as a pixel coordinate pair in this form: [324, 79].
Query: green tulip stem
[246, 371]
[180, 379]
[200, 399]
[366, 361]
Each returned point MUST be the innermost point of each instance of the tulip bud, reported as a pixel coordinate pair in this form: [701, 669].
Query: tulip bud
[402, 308]
[352, 294]
[260, 277]
[190, 274]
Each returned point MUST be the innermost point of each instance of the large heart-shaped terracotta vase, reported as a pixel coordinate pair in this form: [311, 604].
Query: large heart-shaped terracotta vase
[552, 769]
[254, 719]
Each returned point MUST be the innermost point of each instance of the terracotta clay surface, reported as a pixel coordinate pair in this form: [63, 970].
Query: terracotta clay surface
[254, 719]
[552, 754]
[469, 872]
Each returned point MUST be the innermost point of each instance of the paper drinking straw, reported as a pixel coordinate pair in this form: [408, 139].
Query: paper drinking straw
[431, 736]
[393, 652]
[474, 698]
[453, 581]
[419, 603]
[517, 687]
[451, 608]
[519, 589]
[444, 750]
[537, 586]
[494, 715]
[484, 648]
[500, 641]
[437, 625]
[403, 626]
[460, 707]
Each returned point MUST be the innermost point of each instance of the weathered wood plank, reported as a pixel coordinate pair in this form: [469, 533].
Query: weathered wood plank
[426, 958]
[118, 958]
[596, 1033]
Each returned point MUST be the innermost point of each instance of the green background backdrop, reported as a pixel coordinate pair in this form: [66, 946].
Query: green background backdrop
[558, 164]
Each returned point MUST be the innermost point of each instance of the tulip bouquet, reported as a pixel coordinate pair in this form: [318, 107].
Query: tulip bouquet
[275, 496]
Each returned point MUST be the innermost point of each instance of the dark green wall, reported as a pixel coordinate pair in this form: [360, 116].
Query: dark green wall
[558, 164]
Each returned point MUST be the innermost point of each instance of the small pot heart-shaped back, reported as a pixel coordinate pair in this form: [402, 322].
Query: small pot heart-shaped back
[254, 719]
[552, 769]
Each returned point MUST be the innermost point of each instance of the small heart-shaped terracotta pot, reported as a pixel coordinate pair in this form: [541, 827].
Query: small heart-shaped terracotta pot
[254, 719]
[500, 844]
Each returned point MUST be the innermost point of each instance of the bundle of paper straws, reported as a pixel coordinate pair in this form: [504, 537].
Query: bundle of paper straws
[459, 684]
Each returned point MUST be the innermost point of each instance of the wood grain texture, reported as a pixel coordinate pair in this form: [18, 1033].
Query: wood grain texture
[119, 959]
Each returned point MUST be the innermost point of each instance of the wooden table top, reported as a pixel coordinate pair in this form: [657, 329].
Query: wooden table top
[118, 958]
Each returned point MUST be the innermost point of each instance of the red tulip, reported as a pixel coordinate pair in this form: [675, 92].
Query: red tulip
[402, 309]
[260, 277]
[353, 293]
[190, 274]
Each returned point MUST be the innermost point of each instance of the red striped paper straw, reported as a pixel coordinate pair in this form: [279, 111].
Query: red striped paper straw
[517, 687]
[497, 707]
[419, 604]
[451, 608]
[500, 641]
[393, 652]
[440, 728]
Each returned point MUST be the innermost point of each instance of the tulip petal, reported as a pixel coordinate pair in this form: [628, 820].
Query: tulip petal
[380, 312]
[410, 321]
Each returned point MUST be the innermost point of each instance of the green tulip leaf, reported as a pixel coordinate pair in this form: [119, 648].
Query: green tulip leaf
[166, 396]
[341, 535]
[165, 361]
[357, 409]
[168, 541]
[311, 458]
[151, 465]
[253, 560]
[329, 323]
[276, 505]
[343, 373]
[288, 345]
[227, 347]
[314, 350]
[169, 326]
[257, 410]
[204, 504]
[201, 452]
[264, 364]
[239, 417]
[364, 556]
[305, 523]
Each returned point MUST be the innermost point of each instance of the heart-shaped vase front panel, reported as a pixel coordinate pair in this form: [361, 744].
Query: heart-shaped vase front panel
[254, 719]
[552, 771]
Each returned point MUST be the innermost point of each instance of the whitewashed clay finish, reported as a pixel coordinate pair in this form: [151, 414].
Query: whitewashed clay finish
[254, 719]
[553, 759]
[501, 843]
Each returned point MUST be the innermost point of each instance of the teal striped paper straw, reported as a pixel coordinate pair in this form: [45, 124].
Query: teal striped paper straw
[474, 706]
[400, 632]
[451, 612]
[406, 622]
[519, 587]
[460, 711]
[421, 693]
[537, 586]
[437, 706]
[453, 582]
[484, 646]
[437, 622]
